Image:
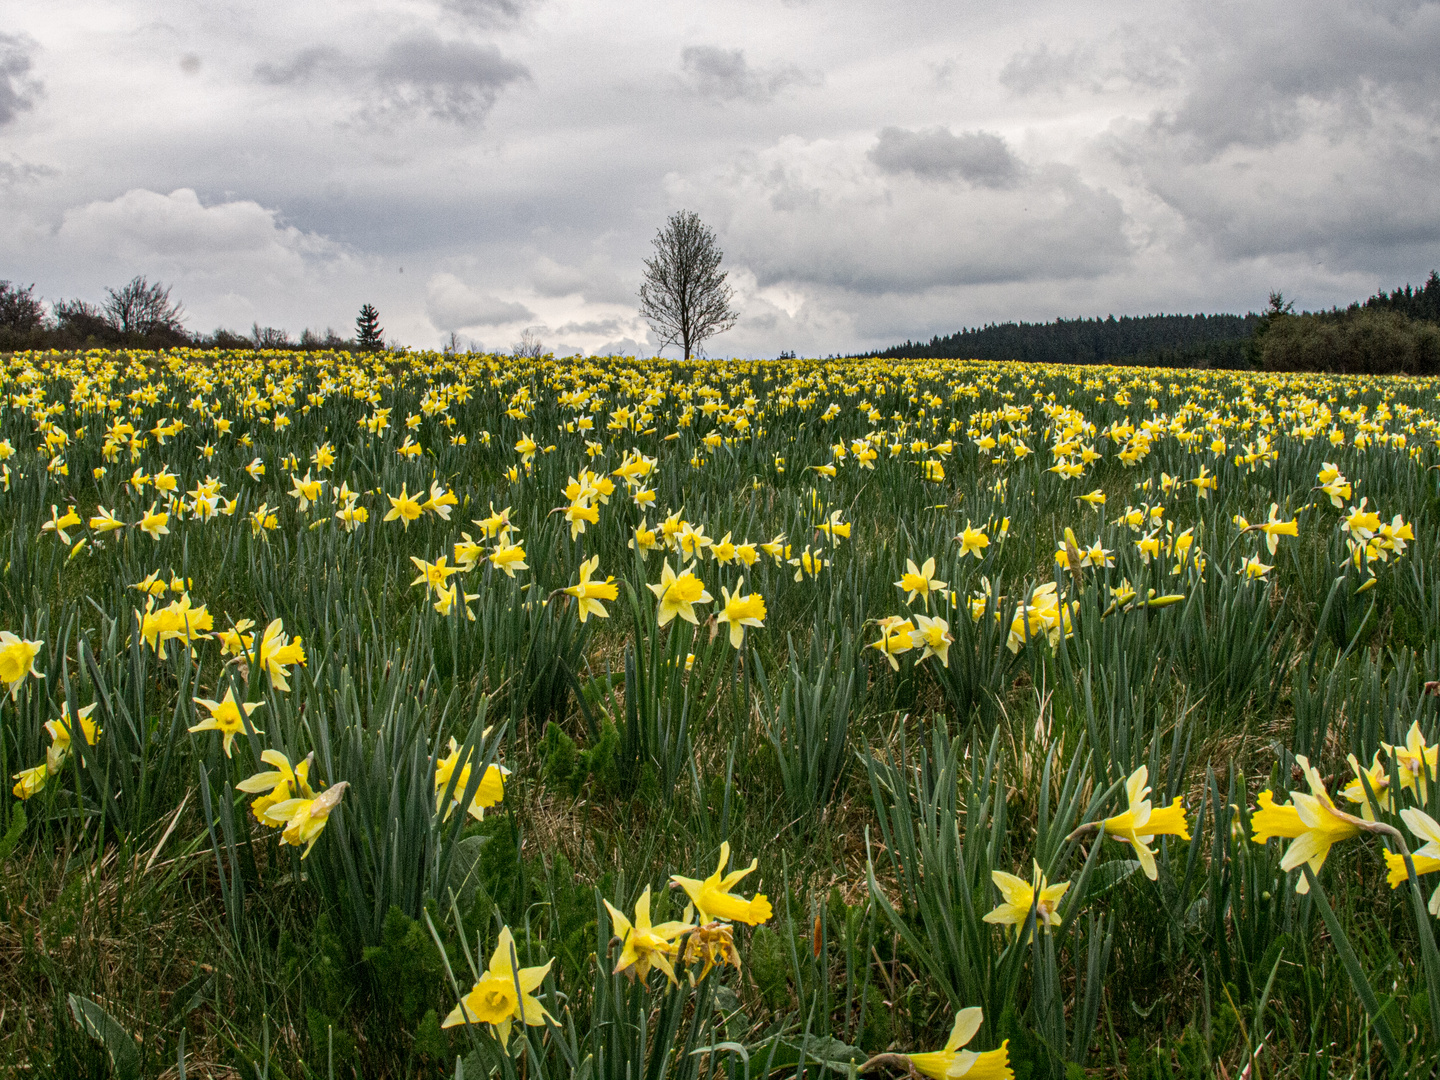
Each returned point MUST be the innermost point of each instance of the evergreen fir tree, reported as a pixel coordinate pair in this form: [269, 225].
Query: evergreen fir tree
[369, 334]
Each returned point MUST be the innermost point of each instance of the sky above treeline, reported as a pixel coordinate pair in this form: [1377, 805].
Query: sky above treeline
[874, 171]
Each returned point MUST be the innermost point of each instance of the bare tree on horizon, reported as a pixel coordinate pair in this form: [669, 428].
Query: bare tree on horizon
[142, 308]
[684, 296]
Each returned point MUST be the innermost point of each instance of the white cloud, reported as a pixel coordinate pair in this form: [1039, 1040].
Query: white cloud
[454, 305]
[176, 234]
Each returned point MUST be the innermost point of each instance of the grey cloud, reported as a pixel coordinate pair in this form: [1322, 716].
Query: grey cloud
[455, 81]
[1038, 68]
[304, 65]
[725, 75]
[978, 157]
[1299, 132]
[18, 171]
[592, 326]
[1259, 72]
[552, 279]
[450, 80]
[866, 235]
[18, 90]
[1356, 201]
[487, 12]
[1129, 59]
[595, 282]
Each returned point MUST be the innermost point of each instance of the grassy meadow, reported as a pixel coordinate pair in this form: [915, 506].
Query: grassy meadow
[422, 715]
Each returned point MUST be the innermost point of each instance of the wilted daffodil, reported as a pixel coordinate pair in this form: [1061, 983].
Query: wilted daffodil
[17, 659]
[1311, 821]
[304, 819]
[226, 716]
[953, 1062]
[589, 594]
[644, 945]
[678, 595]
[503, 994]
[1020, 897]
[712, 897]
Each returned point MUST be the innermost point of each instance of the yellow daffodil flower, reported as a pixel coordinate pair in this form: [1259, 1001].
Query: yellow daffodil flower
[229, 717]
[17, 659]
[953, 1062]
[713, 899]
[488, 794]
[919, 580]
[278, 785]
[678, 595]
[1020, 897]
[589, 594]
[403, 508]
[645, 945]
[739, 611]
[278, 654]
[503, 994]
[1311, 821]
[1416, 762]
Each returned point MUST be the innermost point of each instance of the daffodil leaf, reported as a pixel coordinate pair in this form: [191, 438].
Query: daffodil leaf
[121, 1047]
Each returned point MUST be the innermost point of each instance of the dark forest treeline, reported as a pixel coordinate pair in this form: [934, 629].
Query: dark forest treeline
[1395, 332]
[1179, 340]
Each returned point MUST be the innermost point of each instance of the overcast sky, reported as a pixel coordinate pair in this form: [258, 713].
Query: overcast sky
[874, 171]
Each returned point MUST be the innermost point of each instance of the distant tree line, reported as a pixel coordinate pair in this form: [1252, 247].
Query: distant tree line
[142, 315]
[1396, 332]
